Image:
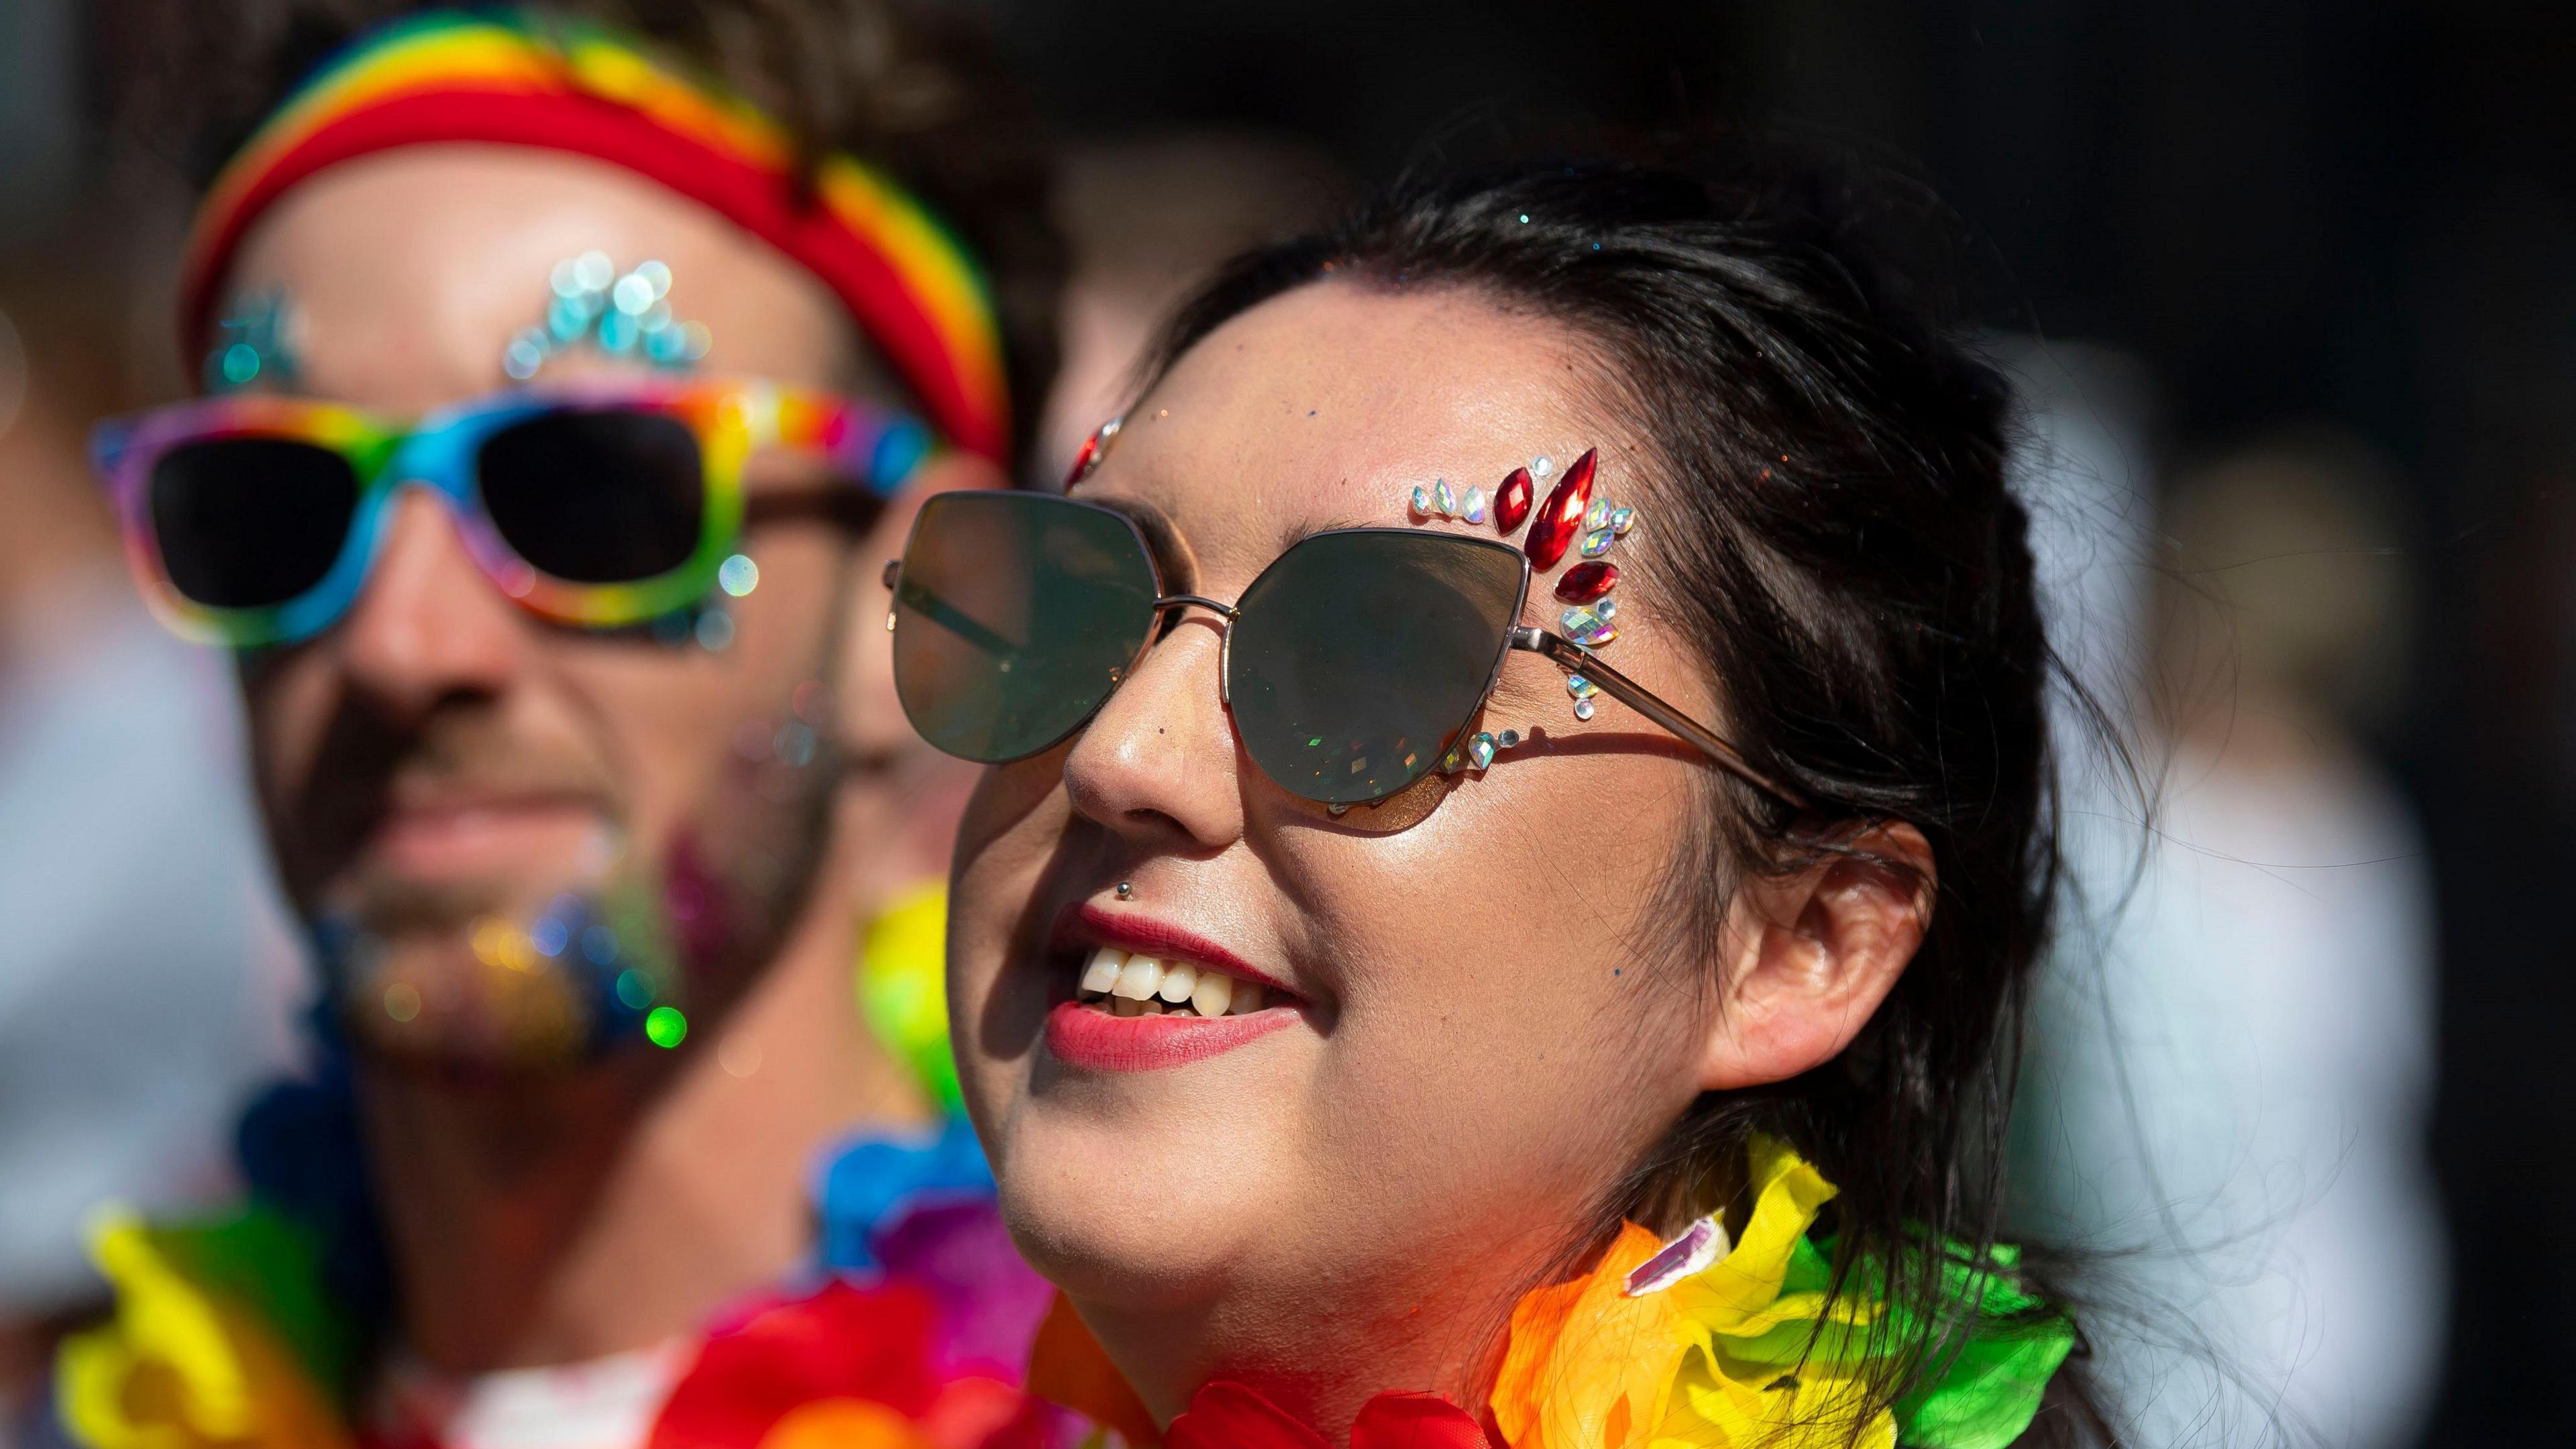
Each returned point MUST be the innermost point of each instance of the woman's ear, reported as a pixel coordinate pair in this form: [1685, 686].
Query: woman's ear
[1809, 956]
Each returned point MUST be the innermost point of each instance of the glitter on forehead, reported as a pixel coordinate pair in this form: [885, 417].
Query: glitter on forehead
[621, 316]
[252, 345]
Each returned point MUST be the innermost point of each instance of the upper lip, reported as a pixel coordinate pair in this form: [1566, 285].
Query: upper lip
[1090, 923]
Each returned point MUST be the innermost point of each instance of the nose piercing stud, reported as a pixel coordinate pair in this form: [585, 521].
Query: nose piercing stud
[1126, 890]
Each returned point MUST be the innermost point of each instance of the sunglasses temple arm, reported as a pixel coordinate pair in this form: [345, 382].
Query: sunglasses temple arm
[1573, 658]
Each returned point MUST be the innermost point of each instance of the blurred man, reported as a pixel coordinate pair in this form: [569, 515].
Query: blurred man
[561, 408]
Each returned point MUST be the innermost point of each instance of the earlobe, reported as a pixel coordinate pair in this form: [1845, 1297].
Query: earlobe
[1810, 956]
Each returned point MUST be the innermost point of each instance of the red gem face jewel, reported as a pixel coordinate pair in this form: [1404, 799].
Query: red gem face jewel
[1512, 500]
[1083, 458]
[1561, 517]
[1586, 582]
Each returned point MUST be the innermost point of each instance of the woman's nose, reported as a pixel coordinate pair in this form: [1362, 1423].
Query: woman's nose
[1157, 764]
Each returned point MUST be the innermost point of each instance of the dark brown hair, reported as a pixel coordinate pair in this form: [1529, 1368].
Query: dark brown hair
[909, 86]
[1835, 539]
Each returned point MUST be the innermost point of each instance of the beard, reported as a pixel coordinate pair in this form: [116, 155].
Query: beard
[634, 946]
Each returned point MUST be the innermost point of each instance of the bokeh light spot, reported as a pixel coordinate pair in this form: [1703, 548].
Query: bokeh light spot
[635, 989]
[664, 1026]
[402, 1001]
[738, 574]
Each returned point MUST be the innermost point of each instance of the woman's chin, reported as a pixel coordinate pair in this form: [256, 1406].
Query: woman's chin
[1143, 1225]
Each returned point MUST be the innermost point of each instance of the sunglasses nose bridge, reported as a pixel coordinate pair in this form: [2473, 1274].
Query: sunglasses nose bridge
[1225, 635]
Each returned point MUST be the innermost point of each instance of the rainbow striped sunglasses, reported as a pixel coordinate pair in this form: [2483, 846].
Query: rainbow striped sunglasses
[253, 519]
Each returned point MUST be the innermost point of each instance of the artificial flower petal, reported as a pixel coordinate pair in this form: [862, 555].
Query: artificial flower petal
[1416, 1421]
[843, 1424]
[182, 1364]
[842, 1342]
[1227, 1415]
[1755, 1348]
[1068, 1367]
[1587, 1365]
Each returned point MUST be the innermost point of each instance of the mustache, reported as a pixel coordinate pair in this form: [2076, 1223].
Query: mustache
[366, 766]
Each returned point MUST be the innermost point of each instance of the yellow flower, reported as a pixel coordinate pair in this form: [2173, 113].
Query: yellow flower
[180, 1366]
[1744, 1352]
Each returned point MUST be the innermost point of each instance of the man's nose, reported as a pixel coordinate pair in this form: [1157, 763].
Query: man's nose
[428, 624]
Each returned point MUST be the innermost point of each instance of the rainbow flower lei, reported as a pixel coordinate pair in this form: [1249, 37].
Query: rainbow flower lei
[1746, 1348]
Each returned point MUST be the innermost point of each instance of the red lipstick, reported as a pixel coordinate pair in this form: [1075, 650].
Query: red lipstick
[1092, 1039]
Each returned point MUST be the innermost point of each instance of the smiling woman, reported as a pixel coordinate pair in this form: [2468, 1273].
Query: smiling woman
[1390, 1020]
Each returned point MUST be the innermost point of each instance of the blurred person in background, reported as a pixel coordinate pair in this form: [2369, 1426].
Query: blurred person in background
[2250, 1139]
[567, 375]
[142, 925]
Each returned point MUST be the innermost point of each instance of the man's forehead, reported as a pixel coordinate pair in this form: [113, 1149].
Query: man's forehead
[409, 272]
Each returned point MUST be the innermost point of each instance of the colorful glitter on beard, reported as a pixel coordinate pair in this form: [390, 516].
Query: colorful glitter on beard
[645, 954]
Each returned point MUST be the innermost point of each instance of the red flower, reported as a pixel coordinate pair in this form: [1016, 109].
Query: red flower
[1226, 1415]
[844, 1342]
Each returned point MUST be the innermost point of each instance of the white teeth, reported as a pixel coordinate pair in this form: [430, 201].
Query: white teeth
[1213, 991]
[1138, 978]
[1102, 973]
[1140, 985]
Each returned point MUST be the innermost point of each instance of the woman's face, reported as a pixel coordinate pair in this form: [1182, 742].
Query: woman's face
[1484, 1022]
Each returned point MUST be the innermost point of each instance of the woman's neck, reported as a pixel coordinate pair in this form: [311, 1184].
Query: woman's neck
[1326, 1347]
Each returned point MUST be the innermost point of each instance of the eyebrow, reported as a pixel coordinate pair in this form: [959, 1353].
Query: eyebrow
[1171, 552]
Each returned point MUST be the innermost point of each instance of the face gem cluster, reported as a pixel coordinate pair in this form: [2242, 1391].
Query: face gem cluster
[1569, 520]
[622, 316]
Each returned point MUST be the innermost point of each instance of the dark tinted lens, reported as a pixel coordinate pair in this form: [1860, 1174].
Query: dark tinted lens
[601, 496]
[1358, 656]
[245, 523]
[1015, 616]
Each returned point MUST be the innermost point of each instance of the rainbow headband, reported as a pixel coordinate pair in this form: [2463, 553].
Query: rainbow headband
[503, 79]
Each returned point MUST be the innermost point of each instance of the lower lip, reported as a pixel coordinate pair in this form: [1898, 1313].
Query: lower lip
[1094, 1040]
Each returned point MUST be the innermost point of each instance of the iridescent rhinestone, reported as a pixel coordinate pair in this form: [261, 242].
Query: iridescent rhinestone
[1583, 709]
[1442, 499]
[1421, 501]
[1587, 582]
[1622, 518]
[1512, 500]
[1481, 749]
[1596, 543]
[1580, 687]
[1600, 636]
[1449, 763]
[1597, 517]
[1608, 609]
[1508, 739]
[1579, 619]
[1473, 509]
[1541, 466]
